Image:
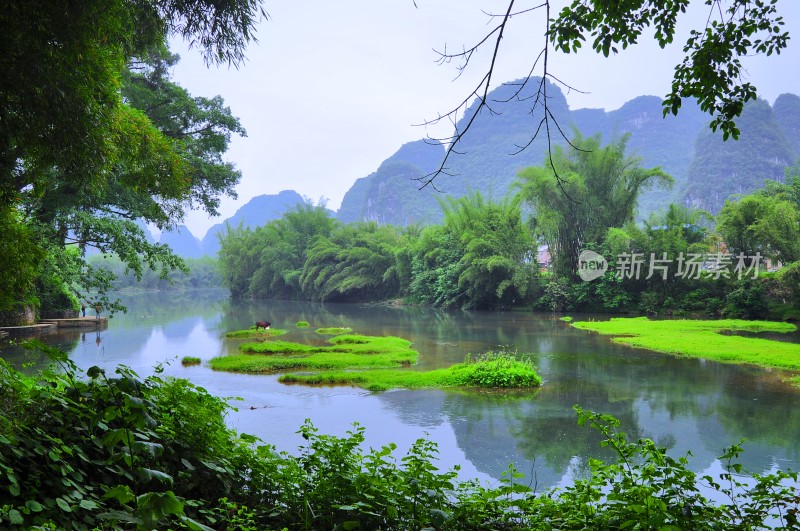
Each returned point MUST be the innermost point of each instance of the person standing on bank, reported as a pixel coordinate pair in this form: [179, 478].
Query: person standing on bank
[83, 308]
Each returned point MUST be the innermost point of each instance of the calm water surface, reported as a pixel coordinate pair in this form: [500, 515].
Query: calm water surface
[682, 404]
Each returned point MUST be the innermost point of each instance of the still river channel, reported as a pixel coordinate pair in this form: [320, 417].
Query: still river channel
[683, 404]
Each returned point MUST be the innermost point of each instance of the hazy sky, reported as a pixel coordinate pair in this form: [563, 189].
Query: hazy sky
[333, 88]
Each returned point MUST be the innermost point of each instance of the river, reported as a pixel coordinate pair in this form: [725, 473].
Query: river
[682, 404]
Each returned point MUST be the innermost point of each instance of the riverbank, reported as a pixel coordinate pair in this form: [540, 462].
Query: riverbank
[70, 461]
[714, 340]
[46, 326]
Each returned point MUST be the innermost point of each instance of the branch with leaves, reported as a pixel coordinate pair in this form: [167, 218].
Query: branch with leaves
[711, 72]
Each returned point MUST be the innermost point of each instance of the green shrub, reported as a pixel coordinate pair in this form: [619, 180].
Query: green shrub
[497, 370]
[302, 324]
[746, 301]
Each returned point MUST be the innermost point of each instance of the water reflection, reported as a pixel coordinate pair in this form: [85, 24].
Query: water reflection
[683, 404]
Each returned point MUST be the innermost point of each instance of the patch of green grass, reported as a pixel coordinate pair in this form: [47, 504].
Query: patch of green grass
[253, 333]
[702, 339]
[302, 324]
[492, 370]
[566, 319]
[344, 352]
[190, 360]
[333, 331]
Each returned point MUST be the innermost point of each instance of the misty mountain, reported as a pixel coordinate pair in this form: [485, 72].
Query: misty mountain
[787, 114]
[391, 195]
[489, 155]
[257, 212]
[706, 169]
[763, 151]
[665, 142]
[182, 242]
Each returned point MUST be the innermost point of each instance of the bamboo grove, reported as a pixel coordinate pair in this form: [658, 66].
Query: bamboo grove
[522, 250]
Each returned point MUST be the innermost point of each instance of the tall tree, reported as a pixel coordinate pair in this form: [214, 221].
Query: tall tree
[355, 263]
[268, 262]
[82, 153]
[581, 192]
[483, 256]
[762, 222]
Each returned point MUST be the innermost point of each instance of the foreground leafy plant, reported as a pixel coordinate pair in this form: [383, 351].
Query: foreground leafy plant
[127, 453]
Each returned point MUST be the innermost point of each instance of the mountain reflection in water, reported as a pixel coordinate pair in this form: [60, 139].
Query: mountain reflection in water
[683, 404]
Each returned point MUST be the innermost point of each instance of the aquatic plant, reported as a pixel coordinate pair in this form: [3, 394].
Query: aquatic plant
[253, 333]
[703, 339]
[496, 370]
[344, 352]
[190, 360]
[302, 324]
[333, 331]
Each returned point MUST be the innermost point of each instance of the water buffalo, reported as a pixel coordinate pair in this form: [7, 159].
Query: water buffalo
[263, 324]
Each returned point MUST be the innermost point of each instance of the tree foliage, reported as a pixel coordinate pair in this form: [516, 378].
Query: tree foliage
[95, 136]
[711, 71]
[482, 256]
[767, 221]
[497, 264]
[583, 191]
[357, 262]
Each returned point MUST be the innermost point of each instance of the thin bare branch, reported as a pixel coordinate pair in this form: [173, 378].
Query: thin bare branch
[482, 90]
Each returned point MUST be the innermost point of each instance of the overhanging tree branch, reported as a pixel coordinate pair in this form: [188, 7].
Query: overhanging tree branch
[711, 71]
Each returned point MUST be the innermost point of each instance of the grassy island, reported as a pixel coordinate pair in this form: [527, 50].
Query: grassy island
[252, 333]
[374, 363]
[333, 331]
[704, 339]
[493, 370]
[344, 352]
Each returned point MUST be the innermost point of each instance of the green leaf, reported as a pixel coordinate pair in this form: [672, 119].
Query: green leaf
[195, 525]
[161, 502]
[147, 474]
[121, 493]
[121, 516]
[34, 506]
[64, 505]
[88, 504]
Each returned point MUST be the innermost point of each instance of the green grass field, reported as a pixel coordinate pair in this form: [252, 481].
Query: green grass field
[493, 371]
[344, 352]
[333, 331]
[252, 333]
[703, 339]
